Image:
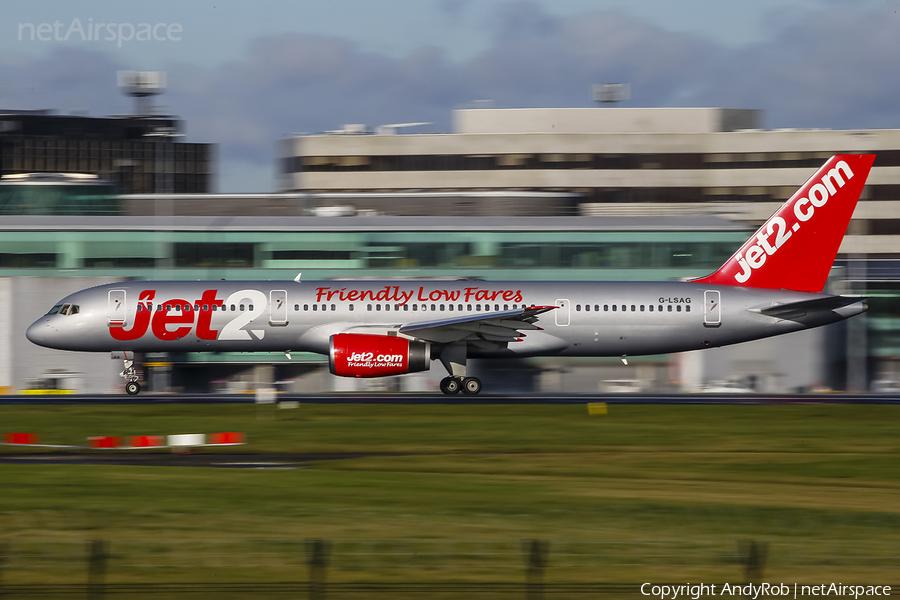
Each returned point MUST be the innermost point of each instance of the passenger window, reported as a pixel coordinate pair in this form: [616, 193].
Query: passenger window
[377, 307]
[332, 307]
[642, 308]
[406, 307]
[369, 307]
[577, 308]
[433, 307]
[140, 307]
[415, 307]
[478, 307]
[651, 308]
[315, 307]
[596, 308]
[587, 307]
[351, 307]
[449, 307]
[614, 308]
[241, 306]
[687, 308]
[197, 307]
[459, 307]
[606, 308]
[442, 307]
[233, 309]
[633, 308]
[306, 307]
[624, 308]
[296, 308]
[670, 308]
[469, 307]
[678, 308]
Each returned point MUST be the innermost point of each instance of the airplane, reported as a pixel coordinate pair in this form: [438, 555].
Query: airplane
[771, 286]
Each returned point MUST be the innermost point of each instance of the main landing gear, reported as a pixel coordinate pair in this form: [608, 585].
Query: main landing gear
[130, 373]
[453, 385]
[453, 357]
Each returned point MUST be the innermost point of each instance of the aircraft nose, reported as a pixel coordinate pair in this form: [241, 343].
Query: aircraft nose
[40, 332]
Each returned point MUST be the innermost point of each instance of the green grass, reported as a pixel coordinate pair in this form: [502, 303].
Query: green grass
[645, 493]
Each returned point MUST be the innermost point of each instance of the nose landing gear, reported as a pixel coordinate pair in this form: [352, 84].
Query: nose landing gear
[130, 372]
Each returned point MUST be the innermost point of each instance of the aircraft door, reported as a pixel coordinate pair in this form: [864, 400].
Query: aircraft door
[115, 310]
[278, 307]
[561, 314]
[712, 308]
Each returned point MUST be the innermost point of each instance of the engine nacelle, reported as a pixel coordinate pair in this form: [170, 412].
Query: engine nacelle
[368, 355]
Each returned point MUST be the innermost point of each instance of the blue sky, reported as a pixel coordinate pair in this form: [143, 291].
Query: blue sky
[246, 74]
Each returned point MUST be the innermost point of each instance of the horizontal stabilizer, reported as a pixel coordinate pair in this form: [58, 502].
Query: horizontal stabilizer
[803, 307]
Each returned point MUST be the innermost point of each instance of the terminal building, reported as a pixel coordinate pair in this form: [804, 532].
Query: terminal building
[140, 154]
[531, 194]
[633, 162]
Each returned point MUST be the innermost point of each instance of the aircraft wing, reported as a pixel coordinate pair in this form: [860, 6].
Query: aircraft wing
[793, 310]
[487, 329]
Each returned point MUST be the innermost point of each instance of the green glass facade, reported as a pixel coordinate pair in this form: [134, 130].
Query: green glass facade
[322, 253]
[58, 199]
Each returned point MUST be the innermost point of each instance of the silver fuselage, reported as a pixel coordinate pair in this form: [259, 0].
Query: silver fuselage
[592, 318]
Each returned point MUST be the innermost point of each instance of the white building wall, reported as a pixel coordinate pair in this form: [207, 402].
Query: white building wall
[778, 365]
[603, 120]
[6, 334]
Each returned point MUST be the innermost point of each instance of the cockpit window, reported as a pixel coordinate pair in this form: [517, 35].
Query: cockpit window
[65, 309]
[74, 309]
[55, 309]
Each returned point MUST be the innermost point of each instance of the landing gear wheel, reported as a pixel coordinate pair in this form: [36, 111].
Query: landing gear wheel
[450, 385]
[132, 387]
[471, 386]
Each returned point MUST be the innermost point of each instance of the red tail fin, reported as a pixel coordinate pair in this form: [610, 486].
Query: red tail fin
[796, 247]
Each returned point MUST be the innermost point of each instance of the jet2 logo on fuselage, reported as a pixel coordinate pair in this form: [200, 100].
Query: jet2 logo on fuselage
[170, 325]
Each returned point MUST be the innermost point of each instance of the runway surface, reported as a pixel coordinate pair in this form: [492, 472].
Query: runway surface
[169, 459]
[437, 398]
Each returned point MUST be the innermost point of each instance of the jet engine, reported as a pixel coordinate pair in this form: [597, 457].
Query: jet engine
[369, 355]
